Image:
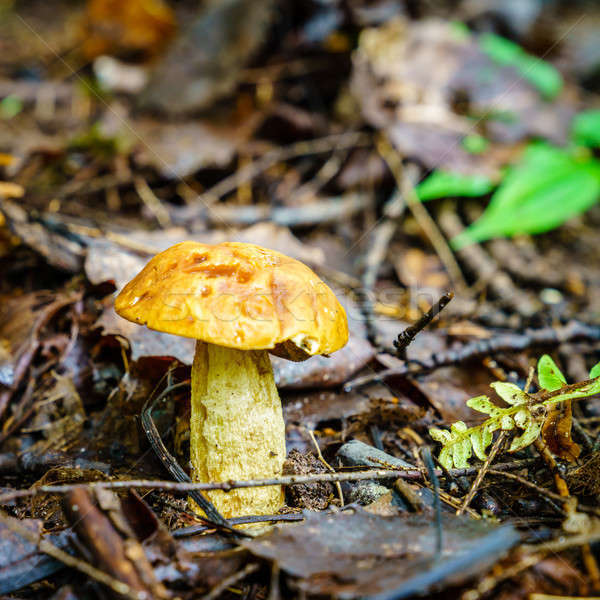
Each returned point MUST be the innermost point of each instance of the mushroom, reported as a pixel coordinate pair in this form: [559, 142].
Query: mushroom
[240, 302]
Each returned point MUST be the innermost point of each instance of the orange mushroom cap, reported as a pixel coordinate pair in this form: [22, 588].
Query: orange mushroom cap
[239, 296]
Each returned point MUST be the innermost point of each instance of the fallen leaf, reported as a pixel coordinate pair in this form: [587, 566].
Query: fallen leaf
[179, 149]
[556, 432]
[409, 77]
[324, 371]
[349, 555]
[21, 563]
[17, 326]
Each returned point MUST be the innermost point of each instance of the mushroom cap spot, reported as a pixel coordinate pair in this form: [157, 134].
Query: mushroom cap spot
[239, 296]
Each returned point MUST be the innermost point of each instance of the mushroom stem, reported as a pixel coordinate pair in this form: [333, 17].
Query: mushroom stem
[237, 429]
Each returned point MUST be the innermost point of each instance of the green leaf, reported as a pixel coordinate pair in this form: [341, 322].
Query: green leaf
[549, 375]
[446, 458]
[462, 453]
[583, 392]
[522, 417]
[507, 423]
[527, 437]
[441, 184]
[510, 393]
[586, 128]
[545, 189]
[440, 435]
[483, 404]
[595, 372]
[10, 106]
[539, 73]
[475, 144]
[481, 438]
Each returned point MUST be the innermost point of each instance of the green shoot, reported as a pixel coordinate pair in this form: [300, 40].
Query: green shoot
[524, 414]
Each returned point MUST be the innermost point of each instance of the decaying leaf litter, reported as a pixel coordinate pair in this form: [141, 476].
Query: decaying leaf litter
[459, 457]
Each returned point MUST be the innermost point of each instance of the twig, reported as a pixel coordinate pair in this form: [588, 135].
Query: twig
[226, 486]
[71, 561]
[326, 464]
[410, 333]
[489, 582]
[545, 493]
[349, 139]
[216, 591]
[437, 507]
[148, 197]
[379, 241]
[502, 342]
[322, 211]
[212, 514]
[198, 529]
[484, 469]
[419, 212]
[475, 258]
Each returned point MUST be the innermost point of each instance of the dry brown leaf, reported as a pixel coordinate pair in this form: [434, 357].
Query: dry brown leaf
[557, 432]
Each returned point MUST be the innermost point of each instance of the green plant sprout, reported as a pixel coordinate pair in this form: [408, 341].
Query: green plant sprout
[525, 413]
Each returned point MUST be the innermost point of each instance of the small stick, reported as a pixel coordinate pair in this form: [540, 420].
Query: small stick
[327, 465]
[149, 198]
[501, 342]
[410, 333]
[419, 212]
[484, 469]
[380, 240]
[198, 529]
[216, 591]
[212, 514]
[342, 141]
[226, 486]
[437, 506]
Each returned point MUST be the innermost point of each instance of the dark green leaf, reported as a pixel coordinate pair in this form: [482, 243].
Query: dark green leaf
[549, 375]
[441, 184]
[542, 75]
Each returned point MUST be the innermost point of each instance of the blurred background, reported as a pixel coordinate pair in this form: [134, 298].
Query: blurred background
[401, 148]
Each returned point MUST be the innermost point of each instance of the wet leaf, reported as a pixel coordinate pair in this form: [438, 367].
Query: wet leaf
[391, 93]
